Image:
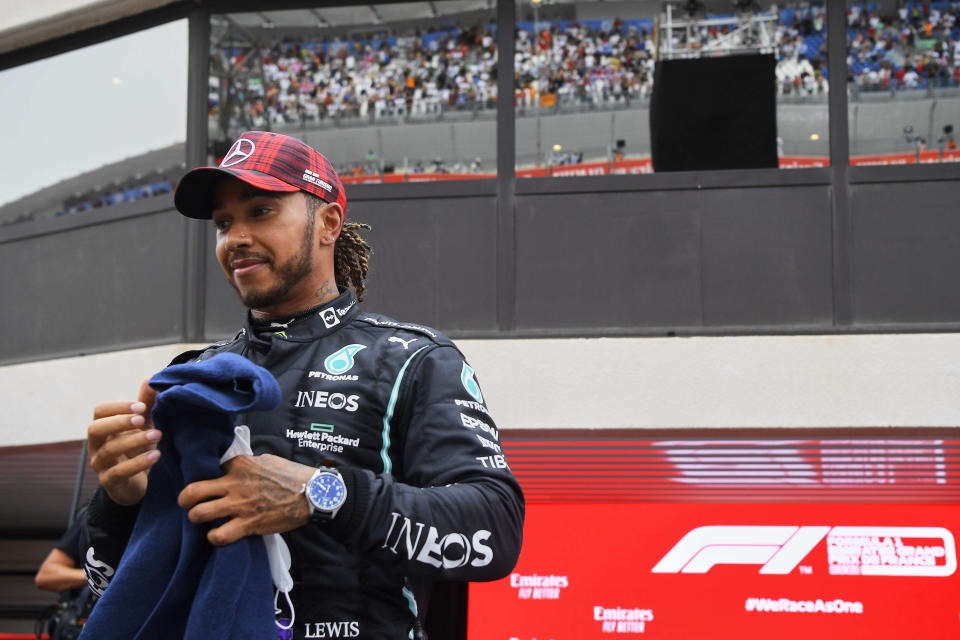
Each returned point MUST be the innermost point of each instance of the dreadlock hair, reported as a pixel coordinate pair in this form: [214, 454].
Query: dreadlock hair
[351, 253]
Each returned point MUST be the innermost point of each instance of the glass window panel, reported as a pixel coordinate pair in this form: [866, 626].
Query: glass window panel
[585, 73]
[389, 93]
[94, 127]
[903, 74]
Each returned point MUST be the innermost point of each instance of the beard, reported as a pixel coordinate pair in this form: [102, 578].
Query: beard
[288, 274]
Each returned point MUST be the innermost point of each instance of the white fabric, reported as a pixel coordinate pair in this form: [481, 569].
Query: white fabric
[278, 555]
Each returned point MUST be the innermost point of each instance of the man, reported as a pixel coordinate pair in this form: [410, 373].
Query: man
[61, 572]
[388, 413]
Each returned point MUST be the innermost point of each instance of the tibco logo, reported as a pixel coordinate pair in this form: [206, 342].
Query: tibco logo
[781, 548]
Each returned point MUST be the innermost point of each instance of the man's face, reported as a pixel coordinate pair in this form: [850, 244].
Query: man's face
[265, 245]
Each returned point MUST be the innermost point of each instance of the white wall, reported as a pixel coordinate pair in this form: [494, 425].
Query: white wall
[53, 400]
[749, 381]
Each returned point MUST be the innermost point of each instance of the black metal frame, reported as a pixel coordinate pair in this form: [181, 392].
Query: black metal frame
[839, 175]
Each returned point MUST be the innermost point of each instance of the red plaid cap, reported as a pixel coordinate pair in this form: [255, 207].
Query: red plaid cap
[269, 161]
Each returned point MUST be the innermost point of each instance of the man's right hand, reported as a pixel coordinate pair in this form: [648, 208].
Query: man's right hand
[122, 445]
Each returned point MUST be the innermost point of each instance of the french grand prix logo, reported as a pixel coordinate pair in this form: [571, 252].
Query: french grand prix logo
[240, 151]
[341, 361]
[874, 551]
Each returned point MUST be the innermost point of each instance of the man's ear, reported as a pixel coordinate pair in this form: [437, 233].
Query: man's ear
[330, 219]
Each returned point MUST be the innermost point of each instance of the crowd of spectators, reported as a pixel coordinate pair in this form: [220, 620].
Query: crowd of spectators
[292, 82]
[592, 63]
[914, 47]
[556, 63]
[589, 63]
[802, 52]
[423, 74]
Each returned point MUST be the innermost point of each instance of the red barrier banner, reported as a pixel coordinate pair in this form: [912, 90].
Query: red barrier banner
[727, 571]
[412, 177]
[636, 166]
[802, 162]
[925, 157]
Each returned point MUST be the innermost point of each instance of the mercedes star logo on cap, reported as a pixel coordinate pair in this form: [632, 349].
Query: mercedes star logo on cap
[240, 151]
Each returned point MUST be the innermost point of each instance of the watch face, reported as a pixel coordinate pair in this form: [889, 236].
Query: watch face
[327, 491]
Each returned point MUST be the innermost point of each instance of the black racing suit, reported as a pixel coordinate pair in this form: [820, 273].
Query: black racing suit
[398, 411]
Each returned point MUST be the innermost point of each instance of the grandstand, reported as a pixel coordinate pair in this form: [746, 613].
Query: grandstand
[147, 175]
[413, 96]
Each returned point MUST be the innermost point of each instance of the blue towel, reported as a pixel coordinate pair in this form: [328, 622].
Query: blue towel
[171, 582]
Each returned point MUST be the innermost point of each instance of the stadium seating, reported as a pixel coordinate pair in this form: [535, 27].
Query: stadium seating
[559, 65]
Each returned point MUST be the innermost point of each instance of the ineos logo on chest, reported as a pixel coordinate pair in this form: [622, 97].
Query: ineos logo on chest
[327, 400]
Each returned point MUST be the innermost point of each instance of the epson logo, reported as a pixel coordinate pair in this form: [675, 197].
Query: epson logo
[450, 552]
[327, 400]
[348, 629]
[474, 423]
[876, 551]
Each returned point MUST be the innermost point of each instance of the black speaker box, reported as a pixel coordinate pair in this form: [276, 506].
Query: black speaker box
[714, 113]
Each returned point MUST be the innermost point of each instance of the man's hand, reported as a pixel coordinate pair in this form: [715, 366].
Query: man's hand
[122, 445]
[259, 494]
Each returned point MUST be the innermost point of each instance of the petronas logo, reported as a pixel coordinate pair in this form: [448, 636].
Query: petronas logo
[342, 361]
[470, 383]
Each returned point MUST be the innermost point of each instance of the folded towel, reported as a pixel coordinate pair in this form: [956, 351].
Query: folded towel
[171, 582]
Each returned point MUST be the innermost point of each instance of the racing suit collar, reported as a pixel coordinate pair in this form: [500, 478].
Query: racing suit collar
[306, 325]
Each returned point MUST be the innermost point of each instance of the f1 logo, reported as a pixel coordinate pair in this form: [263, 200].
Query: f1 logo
[781, 548]
[778, 549]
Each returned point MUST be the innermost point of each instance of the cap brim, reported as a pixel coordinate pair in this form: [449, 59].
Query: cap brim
[194, 195]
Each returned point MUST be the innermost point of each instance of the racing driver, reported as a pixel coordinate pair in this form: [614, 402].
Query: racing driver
[382, 467]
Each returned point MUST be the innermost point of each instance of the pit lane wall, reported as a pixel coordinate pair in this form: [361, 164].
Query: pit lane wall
[739, 381]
